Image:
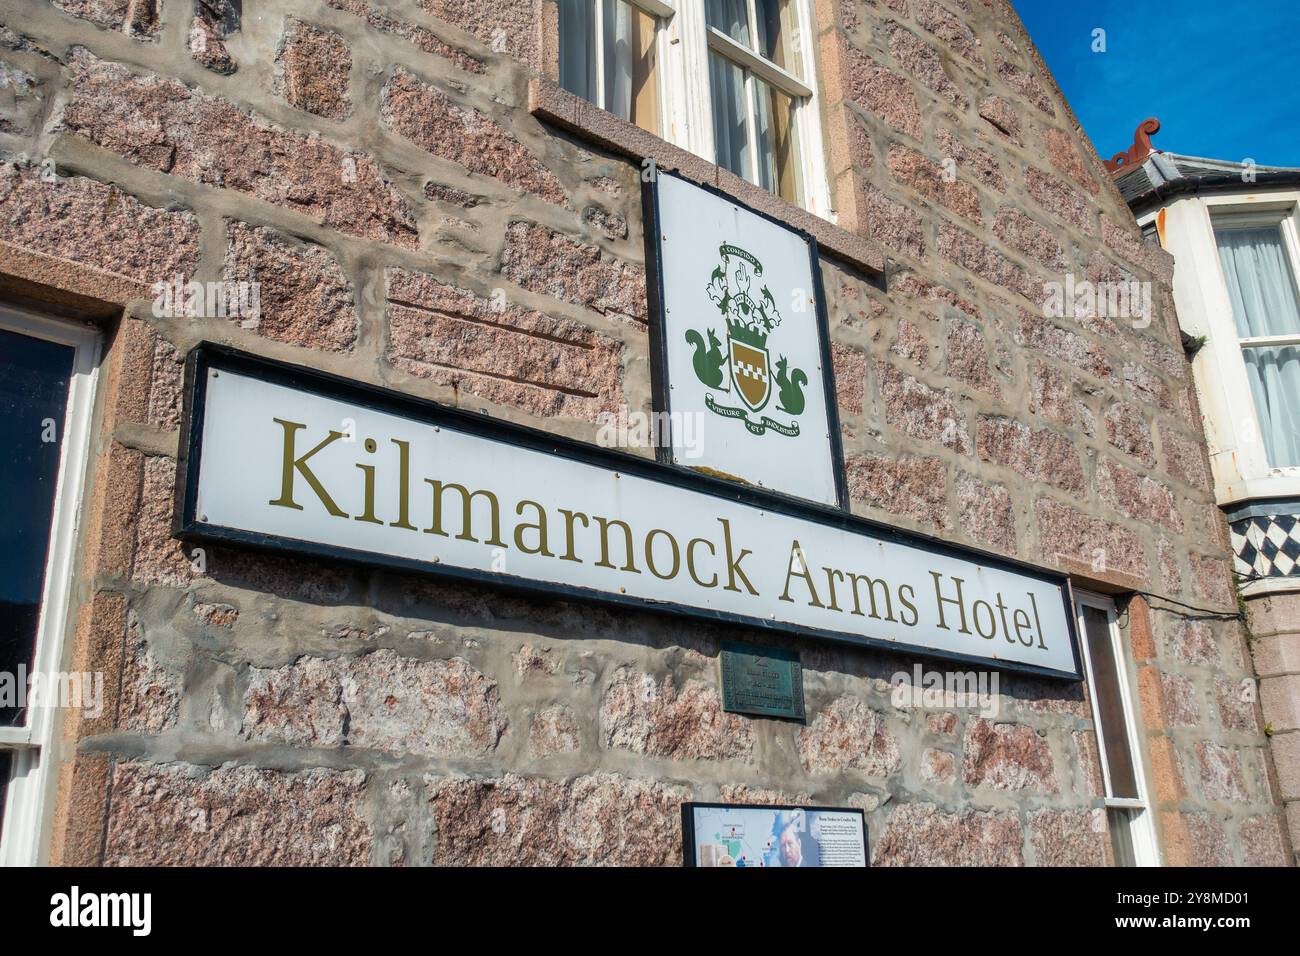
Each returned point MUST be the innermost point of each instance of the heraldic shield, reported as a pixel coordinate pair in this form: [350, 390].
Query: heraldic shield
[749, 373]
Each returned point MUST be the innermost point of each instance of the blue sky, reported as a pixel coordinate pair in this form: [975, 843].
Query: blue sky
[1221, 77]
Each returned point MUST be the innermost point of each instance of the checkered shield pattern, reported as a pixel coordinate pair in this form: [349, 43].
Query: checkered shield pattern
[749, 372]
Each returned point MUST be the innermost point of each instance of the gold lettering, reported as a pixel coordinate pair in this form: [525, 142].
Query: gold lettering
[650, 558]
[1022, 625]
[539, 527]
[368, 515]
[690, 561]
[734, 569]
[569, 517]
[403, 486]
[993, 620]
[605, 525]
[299, 465]
[961, 607]
[797, 561]
[905, 594]
[1002, 610]
[1034, 604]
[872, 583]
[832, 574]
[467, 506]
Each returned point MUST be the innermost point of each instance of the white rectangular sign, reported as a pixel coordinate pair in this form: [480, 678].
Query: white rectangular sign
[742, 341]
[293, 459]
[735, 835]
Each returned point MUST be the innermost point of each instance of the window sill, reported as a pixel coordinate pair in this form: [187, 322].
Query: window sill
[1284, 484]
[1262, 587]
[548, 101]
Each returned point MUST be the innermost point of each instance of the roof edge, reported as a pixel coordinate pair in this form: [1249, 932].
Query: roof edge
[1213, 183]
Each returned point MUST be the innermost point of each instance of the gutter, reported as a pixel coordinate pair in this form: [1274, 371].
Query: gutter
[1212, 183]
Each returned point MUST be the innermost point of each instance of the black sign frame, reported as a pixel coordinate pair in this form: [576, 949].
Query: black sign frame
[659, 384]
[188, 525]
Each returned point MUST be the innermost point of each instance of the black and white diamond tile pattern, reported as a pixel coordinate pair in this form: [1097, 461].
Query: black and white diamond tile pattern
[1267, 546]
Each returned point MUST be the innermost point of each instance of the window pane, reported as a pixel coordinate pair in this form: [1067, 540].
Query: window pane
[1121, 835]
[778, 149]
[731, 17]
[644, 110]
[776, 34]
[1260, 283]
[631, 90]
[1111, 725]
[34, 377]
[627, 35]
[1262, 291]
[578, 48]
[1274, 376]
[730, 136]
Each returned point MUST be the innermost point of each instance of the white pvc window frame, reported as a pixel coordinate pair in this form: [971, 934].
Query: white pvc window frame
[1287, 221]
[31, 773]
[1241, 467]
[1141, 823]
[683, 41]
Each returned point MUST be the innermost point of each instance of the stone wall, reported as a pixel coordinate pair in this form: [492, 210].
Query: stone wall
[1274, 618]
[379, 170]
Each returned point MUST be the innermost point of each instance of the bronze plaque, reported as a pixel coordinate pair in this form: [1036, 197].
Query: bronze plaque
[766, 681]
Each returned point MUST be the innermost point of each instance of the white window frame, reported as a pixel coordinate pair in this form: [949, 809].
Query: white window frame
[682, 44]
[31, 773]
[1142, 826]
[1286, 219]
[1241, 467]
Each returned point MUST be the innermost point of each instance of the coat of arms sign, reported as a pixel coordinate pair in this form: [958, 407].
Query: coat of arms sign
[742, 370]
[751, 316]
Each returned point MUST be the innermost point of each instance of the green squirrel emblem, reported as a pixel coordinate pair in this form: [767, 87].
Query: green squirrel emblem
[708, 364]
[790, 399]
